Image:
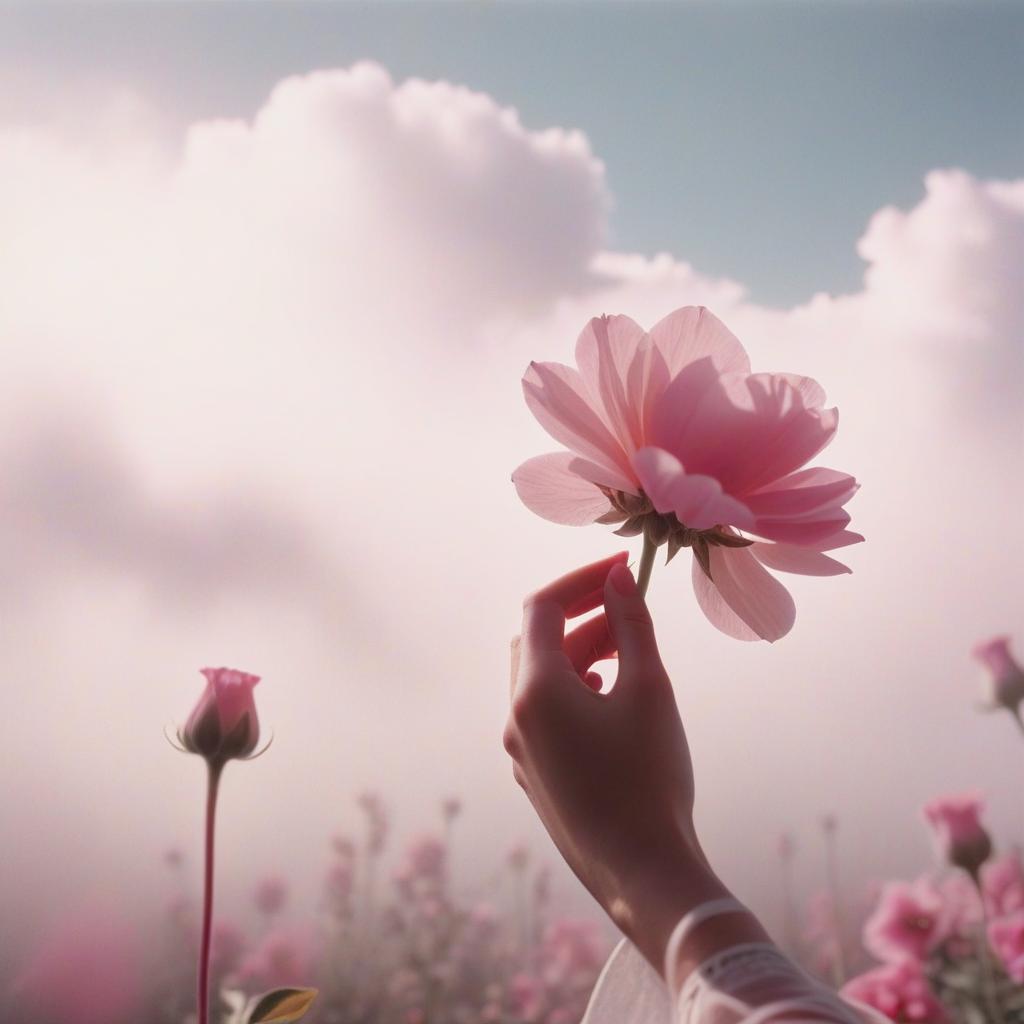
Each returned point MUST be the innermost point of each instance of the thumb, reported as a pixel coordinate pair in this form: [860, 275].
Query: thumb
[631, 627]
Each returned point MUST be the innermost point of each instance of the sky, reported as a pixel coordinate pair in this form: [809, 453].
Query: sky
[271, 278]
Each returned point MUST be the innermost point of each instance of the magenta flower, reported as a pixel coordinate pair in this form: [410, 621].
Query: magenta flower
[956, 822]
[1002, 882]
[1006, 937]
[223, 725]
[671, 436]
[909, 922]
[900, 991]
[271, 895]
[1005, 676]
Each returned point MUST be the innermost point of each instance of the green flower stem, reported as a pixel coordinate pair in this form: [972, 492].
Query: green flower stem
[643, 576]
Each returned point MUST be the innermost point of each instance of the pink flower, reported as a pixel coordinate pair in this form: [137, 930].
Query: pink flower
[961, 903]
[670, 434]
[1005, 676]
[956, 821]
[908, 922]
[570, 947]
[284, 957]
[1006, 937]
[1002, 881]
[426, 860]
[900, 991]
[376, 821]
[87, 970]
[271, 894]
[526, 993]
[223, 724]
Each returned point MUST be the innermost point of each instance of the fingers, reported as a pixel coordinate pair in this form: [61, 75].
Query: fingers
[630, 626]
[545, 612]
[589, 642]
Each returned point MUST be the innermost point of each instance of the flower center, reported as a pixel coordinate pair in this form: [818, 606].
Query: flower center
[637, 515]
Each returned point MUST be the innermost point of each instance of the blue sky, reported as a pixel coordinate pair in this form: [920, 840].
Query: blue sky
[753, 139]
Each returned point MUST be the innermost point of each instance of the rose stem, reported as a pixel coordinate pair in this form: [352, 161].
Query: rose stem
[643, 576]
[203, 995]
[988, 972]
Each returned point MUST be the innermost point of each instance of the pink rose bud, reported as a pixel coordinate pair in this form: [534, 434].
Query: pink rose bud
[1005, 678]
[956, 821]
[223, 725]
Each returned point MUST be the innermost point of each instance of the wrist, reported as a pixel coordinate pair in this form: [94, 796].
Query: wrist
[658, 889]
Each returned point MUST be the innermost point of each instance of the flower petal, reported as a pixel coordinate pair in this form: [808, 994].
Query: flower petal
[559, 399]
[841, 539]
[792, 558]
[611, 355]
[742, 599]
[802, 494]
[746, 431]
[807, 533]
[693, 332]
[697, 501]
[549, 486]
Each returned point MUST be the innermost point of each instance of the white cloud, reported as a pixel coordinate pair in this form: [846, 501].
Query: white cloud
[316, 320]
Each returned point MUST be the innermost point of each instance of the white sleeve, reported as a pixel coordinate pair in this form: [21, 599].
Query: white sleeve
[753, 983]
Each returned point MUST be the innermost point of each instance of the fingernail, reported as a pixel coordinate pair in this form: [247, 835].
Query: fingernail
[622, 580]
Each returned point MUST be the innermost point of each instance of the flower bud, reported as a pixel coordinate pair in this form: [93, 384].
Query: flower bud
[223, 725]
[956, 821]
[1005, 678]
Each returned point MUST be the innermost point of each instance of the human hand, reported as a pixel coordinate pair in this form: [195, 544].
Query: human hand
[609, 774]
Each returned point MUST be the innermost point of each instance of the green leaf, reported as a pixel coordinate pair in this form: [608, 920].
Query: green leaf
[282, 1005]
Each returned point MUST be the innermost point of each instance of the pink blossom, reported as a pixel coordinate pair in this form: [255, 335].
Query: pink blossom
[271, 895]
[223, 723]
[1006, 937]
[956, 822]
[376, 821]
[426, 859]
[900, 991]
[670, 434]
[909, 921]
[1002, 881]
[570, 947]
[961, 905]
[284, 957]
[1005, 676]
[526, 993]
[88, 970]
